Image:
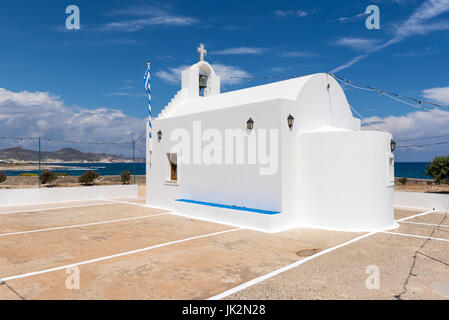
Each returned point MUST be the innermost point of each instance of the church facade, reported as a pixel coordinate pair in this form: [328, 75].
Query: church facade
[270, 158]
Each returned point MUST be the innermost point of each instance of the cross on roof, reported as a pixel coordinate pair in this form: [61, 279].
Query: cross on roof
[202, 51]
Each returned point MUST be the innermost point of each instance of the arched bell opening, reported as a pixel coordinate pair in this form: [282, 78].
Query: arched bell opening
[203, 81]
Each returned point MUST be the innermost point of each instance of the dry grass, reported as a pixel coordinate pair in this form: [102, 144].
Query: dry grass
[420, 185]
[69, 181]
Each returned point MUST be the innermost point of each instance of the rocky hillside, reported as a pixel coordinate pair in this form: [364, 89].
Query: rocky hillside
[64, 155]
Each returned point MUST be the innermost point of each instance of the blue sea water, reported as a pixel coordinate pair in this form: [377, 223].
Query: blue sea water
[402, 169]
[411, 170]
[104, 169]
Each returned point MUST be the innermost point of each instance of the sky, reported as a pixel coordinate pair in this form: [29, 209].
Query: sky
[87, 84]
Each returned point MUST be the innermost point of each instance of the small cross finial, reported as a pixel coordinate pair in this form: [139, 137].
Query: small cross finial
[202, 51]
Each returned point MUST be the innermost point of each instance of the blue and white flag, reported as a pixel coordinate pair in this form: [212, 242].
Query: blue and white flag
[147, 85]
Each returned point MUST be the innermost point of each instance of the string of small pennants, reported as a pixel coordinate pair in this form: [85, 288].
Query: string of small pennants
[410, 101]
[413, 102]
[72, 141]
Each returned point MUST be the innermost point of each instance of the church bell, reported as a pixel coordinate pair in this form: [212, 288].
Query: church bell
[203, 81]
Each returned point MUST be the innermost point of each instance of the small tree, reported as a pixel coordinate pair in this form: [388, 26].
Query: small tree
[403, 180]
[88, 178]
[125, 177]
[438, 169]
[2, 177]
[47, 177]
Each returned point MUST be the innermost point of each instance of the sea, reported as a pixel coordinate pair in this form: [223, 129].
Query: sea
[77, 169]
[402, 169]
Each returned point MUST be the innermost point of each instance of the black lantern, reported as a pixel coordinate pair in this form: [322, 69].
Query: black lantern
[290, 121]
[250, 124]
[393, 145]
[159, 136]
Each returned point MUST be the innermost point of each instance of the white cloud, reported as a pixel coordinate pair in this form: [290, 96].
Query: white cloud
[144, 16]
[139, 11]
[240, 51]
[413, 125]
[30, 99]
[357, 43]
[280, 69]
[41, 114]
[231, 27]
[400, 2]
[418, 53]
[438, 94]
[293, 13]
[173, 75]
[137, 25]
[296, 54]
[418, 23]
[283, 13]
[226, 72]
[302, 13]
[356, 17]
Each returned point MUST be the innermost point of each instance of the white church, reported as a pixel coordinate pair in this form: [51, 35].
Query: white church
[270, 158]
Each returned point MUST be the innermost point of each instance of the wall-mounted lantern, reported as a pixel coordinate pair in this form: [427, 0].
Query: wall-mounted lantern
[159, 136]
[392, 145]
[290, 121]
[250, 124]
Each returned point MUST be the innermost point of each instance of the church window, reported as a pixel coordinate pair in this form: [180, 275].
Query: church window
[173, 166]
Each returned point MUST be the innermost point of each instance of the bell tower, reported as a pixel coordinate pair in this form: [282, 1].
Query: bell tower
[200, 79]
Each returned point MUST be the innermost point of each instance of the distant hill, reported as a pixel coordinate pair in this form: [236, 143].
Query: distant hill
[64, 155]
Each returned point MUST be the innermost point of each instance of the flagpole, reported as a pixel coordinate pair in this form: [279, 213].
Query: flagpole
[148, 88]
[148, 128]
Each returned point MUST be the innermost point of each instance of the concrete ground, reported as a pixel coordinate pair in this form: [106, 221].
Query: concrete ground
[121, 249]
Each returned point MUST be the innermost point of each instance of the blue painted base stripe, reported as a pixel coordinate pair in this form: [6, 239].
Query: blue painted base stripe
[228, 207]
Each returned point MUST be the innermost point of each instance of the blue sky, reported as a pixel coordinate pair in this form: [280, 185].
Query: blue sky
[87, 84]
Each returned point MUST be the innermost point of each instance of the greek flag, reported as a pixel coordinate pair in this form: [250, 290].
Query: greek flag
[147, 85]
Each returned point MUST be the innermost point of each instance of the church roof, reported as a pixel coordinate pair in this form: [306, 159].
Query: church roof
[287, 89]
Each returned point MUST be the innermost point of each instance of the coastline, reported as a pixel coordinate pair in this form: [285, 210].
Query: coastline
[73, 169]
[30, 167]
[22, 182]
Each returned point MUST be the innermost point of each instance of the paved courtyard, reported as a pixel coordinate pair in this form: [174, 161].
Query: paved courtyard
[121, 249]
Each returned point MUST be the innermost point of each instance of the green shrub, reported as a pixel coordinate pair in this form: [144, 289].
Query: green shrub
[438, 169]
[47, 177]
[125, 177]
[2, 177]
[28, 175]
[88, 178]
[403, 180]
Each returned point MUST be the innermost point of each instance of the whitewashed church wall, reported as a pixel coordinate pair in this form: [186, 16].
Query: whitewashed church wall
[342, 181]
[319, 107]
[229, 184]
